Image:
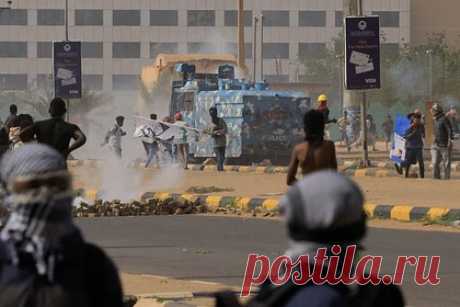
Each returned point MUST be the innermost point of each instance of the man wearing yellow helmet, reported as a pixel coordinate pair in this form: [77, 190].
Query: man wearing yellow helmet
[323, 108]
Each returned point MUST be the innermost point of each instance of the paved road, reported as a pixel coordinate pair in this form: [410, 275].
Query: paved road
[215, 248]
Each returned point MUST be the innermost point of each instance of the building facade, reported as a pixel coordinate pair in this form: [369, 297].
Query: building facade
[119, 37]
[429, 17]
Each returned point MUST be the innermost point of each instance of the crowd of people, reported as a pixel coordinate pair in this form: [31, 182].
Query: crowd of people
[45, 261]
[54, 132]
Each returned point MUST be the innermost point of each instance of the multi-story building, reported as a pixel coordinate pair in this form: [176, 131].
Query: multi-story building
[119, 37]
[429, 17]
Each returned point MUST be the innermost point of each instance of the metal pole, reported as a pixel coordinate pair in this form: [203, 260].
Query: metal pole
[67, 39]
[430, 77]
[365, 158]
[67, 20]
[351, 99]
[340, 79]
[241, 46]
[261, 47]
[365, 161]
[254, 49]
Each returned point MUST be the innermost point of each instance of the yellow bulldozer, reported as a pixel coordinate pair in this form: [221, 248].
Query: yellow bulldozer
[156, 79]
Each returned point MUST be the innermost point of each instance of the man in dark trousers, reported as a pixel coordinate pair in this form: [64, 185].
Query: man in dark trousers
[219, 134]
[414, 144]
[56, 132]
[388, 127]
[441, 150]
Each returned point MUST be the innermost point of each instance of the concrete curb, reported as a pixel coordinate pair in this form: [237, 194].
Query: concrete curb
[381, 169]
[398, 212]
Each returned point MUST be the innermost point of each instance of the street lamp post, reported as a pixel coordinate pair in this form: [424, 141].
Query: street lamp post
[429, 53]
[254, 48]
[340, 60]
[261, 20]
[66, 20]
[67, 39]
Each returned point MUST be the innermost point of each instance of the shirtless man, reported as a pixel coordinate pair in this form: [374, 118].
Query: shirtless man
[56, 132]
[315, 153]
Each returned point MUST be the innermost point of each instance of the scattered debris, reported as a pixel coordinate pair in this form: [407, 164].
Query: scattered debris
[149, 206]
[207, 190]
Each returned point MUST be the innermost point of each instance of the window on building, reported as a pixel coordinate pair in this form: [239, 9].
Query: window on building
[92, 82]
[125, 82]
[276, 51]
[311, 50]
[338, 19]
[276, 18]
[44, 50]
[388, 19]
[231, 18]
[233, 48]
[50, 17]
[201, 18]
[157, 48]
[13, 50]
[13, 17]
[126, 18]
[89, 18]
[126, 50]
[201, 47]
[164, 18]
[13, 82]
[277, 78]
[94, 50]
[312, 18]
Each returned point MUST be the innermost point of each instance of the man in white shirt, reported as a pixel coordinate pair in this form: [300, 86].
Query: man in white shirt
[113, 137]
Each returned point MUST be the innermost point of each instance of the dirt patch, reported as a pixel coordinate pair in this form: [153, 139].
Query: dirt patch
[394, 190]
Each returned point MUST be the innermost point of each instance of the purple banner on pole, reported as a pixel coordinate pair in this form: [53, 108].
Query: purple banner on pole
[362, 53]
[67, 69]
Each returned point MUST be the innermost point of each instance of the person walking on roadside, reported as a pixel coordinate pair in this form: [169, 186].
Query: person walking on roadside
[414, 137]
[150, 142]
[56, 132]
[315, 153]
[180, 140]
[113, 137]
[44, 259]
[388, 130]
[441, 150]
[372, 132]
[218, 132]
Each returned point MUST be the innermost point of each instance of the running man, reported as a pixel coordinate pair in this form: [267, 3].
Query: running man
[113, 137]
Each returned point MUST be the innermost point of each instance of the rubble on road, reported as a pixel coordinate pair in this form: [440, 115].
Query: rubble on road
[150, 205]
